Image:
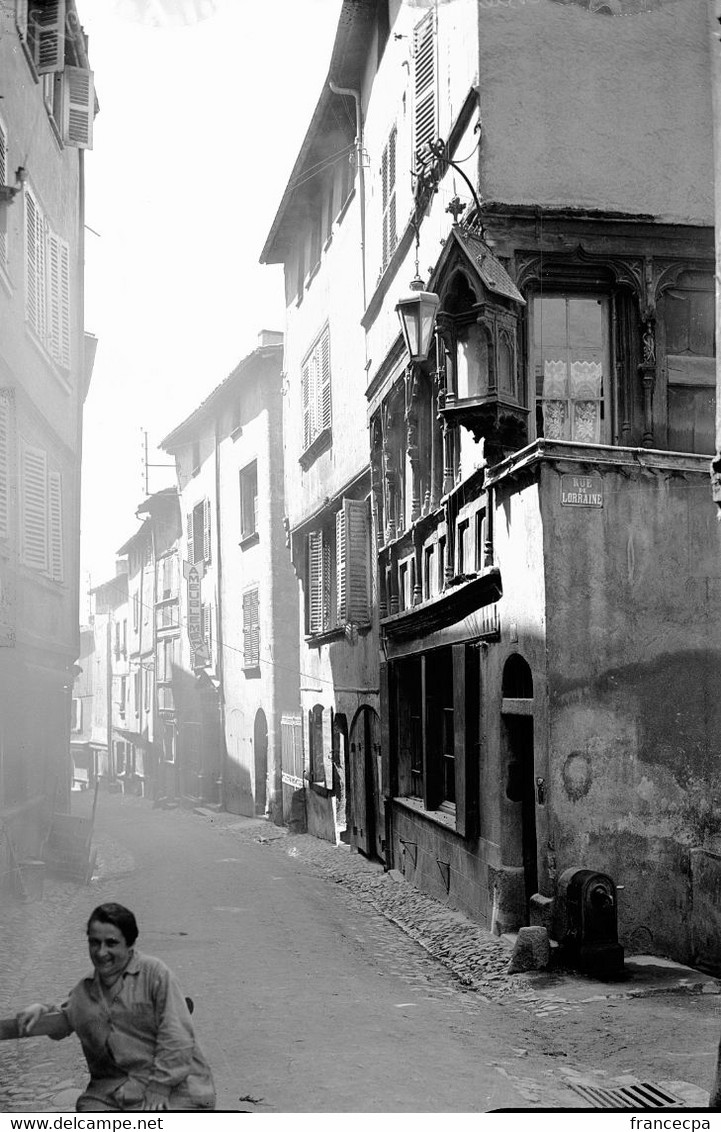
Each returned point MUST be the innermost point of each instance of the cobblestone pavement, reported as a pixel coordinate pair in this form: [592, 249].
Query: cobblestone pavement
[438, 953]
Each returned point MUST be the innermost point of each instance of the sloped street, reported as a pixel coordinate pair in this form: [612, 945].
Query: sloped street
[312, 994]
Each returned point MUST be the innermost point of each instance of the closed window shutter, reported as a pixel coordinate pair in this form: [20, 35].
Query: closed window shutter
[47, 24]
[357, 527]
[34, 547]
[3, 181]
[55, 493]
[425, 83]
[207, 616]
[324, 366]
[58, 299]
[251, 630]
[4, 467]
[306, 398]
[206, 530]
[327, 583]
[191, 547]
[388, 179]
[78, 107]
[315, 582]
[34, 265]
[341, 564]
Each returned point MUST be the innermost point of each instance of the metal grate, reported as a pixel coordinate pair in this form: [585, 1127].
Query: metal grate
[643, 1095]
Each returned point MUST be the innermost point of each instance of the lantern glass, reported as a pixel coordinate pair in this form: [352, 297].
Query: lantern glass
[417, 317]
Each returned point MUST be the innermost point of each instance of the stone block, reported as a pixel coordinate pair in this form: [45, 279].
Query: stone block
[542, 912]
[532, 951]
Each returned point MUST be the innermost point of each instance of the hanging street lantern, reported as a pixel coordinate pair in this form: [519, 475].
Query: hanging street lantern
[417, 313]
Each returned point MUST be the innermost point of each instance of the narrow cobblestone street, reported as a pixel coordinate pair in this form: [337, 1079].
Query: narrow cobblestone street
[323, 983]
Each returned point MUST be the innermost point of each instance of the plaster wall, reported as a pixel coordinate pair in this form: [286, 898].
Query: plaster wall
[265, 563]
[634, 661]
[593, 110]
[332, 296]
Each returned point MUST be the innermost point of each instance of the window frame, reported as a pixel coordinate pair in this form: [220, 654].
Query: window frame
[607, 399]
[249, 503]
[316, 417]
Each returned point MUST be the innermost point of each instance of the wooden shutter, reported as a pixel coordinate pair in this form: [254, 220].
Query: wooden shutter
[425, 83]
[55, 494]
[34, 529]
[47, 27]
[3, 181]
[324, 406]
[355, 514]
[206, 530]
[35, 309]
[341, 567]
[191, 545]
[207, 627]
[78, 107]
[251, 630]
[306, 400]
[4, 467]
[315, 582]
[388, 180]
[58, 306]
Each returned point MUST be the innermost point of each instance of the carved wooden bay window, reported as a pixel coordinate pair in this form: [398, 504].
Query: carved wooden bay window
[482, 389]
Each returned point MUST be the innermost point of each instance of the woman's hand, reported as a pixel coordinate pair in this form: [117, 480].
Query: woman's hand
[27, 1018]
[154, 1100]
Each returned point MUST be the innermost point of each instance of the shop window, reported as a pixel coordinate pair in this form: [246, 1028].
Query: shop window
[435, 720]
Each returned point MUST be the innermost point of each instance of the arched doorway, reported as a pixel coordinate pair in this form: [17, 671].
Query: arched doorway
[520, 849]
[366, 802]
[260, 752]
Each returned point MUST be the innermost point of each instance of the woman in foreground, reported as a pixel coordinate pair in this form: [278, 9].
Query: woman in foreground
[133, 1024]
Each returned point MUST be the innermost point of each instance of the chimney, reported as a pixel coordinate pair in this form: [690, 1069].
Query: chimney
[270, 338]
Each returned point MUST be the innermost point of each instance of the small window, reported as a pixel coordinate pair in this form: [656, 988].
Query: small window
[465, 562]
[480, 539]
[249, 501]
[76, 723]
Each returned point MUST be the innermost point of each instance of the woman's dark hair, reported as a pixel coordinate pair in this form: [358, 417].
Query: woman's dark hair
[119, 916]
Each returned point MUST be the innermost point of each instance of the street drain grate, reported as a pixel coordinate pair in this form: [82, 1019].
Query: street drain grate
[643, 1095]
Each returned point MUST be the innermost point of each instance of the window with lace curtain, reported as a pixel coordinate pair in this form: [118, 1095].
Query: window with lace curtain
[571, 364]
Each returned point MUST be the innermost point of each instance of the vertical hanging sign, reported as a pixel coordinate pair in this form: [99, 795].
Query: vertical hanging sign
[193, 572]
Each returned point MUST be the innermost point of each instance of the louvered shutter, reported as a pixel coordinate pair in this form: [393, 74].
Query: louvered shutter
[328, 620]
[4, 467]
[34, 528]
[207, 622]
[78, 107]
[55, 495]
[58, 319]
[425, 83]
[251, 630]
[306, 399]
[388, 196]
[206, 530]
[47, 25]
[191, 541]
[34, 265]
[341, 564]
[256, 627]
[358, 558]
[3, 181]
[315, 582]
[324, 382]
